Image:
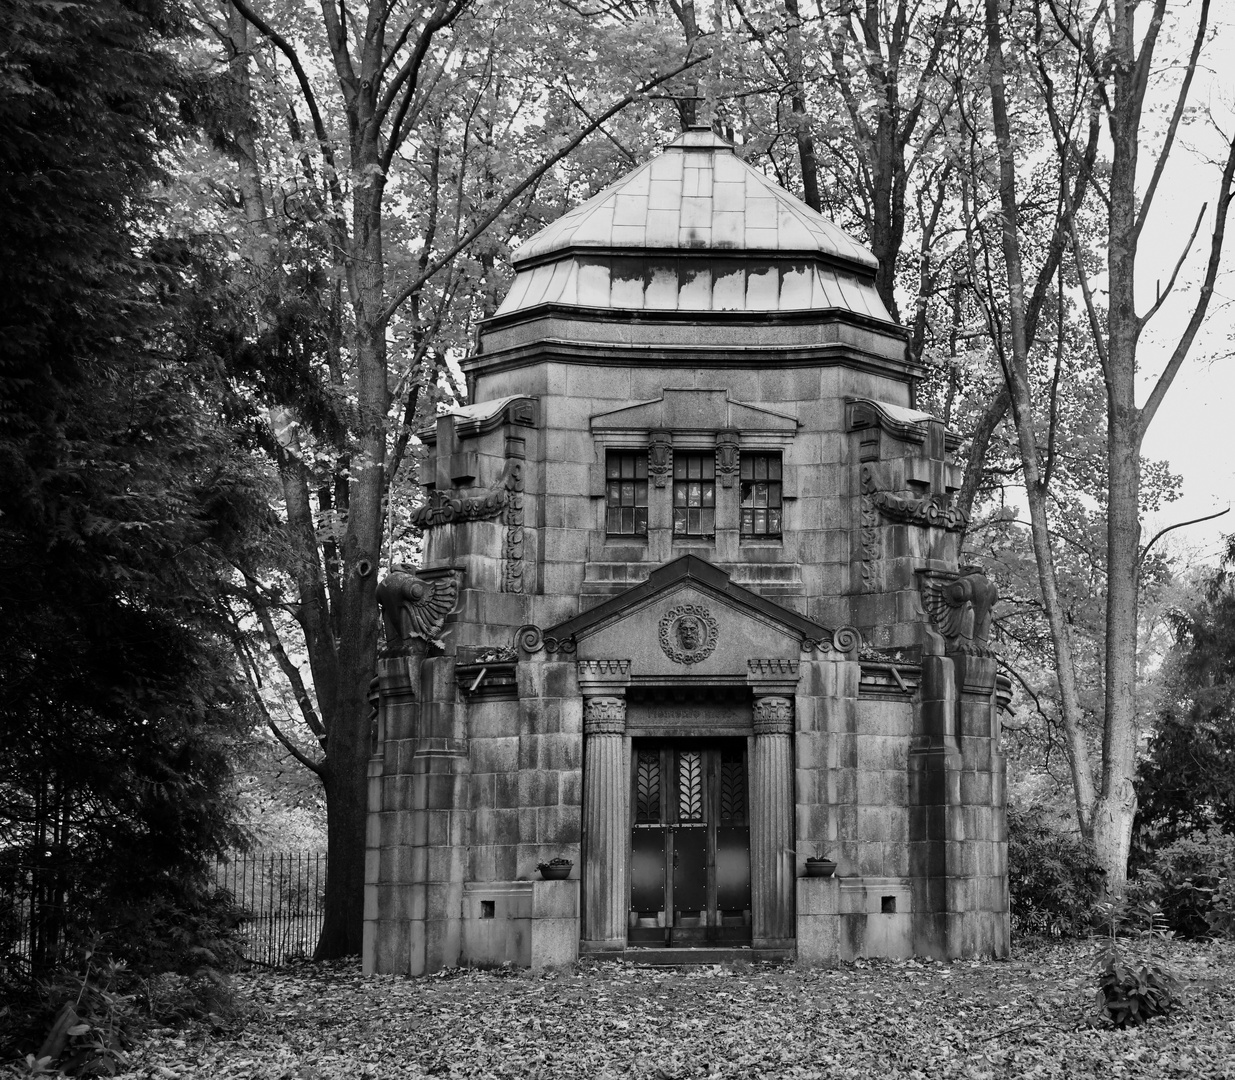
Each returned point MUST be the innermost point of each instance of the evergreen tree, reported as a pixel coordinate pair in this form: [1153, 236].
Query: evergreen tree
[118, 492]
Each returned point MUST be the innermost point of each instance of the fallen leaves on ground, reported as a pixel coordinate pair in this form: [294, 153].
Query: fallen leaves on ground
[879, 1019]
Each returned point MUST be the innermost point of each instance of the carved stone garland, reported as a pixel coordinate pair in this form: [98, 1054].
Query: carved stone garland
[933, 511]
[504, 500]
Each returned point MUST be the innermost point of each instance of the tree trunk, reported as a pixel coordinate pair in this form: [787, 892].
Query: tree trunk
[1120, 734]
[1016, 374]
[348, 749]
[807, 158]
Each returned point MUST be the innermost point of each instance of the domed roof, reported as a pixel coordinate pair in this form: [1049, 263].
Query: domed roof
[695, 229]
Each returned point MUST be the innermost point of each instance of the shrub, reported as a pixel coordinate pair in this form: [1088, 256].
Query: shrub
[1133, 988]
[1189, 881]
[1134, 982]
[1053, 877]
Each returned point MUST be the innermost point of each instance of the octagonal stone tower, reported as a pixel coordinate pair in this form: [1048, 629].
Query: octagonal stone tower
[690, 613]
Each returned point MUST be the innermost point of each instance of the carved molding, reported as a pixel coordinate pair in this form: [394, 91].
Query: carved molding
[773, 715]
[688, 633]
[727, 457]
[871, 550]
[487, 654]
[604, 669]
[774, 668]
[512, 543]
[888, 680]
[908, 425]
[660, 458]
[604, 715]
[487, 673]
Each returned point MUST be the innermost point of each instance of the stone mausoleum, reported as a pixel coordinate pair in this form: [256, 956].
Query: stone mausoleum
[689, 614]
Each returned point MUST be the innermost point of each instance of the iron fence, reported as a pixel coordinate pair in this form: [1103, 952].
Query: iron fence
[280, 897]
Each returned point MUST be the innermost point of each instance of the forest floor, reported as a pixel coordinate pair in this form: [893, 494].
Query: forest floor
[882, 1019]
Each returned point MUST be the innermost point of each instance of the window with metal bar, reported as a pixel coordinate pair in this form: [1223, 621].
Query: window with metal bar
[761, 491]
[626, 493]
[694, 494]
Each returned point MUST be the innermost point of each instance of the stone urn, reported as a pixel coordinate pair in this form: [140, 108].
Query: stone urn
[555, 869]
[820, 866]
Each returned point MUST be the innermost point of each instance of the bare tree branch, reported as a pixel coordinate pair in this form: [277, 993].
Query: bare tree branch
[306, 90]
[528, 181]
[1171, 528]
[1170, 284]
[1182, 347]
[1181, 102]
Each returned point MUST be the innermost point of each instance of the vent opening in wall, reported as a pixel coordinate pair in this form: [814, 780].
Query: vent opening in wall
[487, 909]
[887, 905]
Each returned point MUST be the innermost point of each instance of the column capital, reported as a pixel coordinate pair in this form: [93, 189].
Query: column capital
[604, 714]
[773, 715]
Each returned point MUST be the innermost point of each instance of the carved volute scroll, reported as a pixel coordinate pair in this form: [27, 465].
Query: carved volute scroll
[960, 608]
[414, 607]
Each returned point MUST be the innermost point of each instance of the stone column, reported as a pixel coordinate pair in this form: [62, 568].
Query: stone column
[606, 823]
[771, 834]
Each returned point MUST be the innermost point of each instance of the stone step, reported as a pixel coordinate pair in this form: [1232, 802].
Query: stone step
[676, 957]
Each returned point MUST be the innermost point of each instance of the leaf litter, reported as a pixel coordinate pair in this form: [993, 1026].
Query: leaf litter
[883, 1019]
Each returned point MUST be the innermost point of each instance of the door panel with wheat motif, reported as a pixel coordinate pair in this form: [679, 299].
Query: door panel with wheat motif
[690, 845]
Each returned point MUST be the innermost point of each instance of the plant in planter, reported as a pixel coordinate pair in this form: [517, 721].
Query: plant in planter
[820, 866]
[555, 869]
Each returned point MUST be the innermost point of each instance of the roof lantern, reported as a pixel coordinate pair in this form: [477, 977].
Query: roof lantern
[695, 229]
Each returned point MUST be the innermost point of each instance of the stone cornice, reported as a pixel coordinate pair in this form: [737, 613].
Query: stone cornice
[722, 355]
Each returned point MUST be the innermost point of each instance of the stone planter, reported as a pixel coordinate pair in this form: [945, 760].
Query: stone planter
[555, 869]
[818, 867]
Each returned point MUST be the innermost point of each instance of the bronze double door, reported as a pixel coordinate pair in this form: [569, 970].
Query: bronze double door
[690, 843]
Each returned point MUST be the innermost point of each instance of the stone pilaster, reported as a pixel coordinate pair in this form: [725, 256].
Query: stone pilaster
[606, 823]
[771, 834]
[388, 848]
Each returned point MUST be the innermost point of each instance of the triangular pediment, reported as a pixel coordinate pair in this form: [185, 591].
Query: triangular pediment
[688, 621]
[694, 410]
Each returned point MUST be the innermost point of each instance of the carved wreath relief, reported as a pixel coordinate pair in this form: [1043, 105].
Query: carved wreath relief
[688, 633]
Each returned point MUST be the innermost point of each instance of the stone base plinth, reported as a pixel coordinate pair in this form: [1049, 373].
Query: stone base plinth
[524, 923]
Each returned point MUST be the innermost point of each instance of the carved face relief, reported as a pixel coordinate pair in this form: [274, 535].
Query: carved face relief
[688, 633]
